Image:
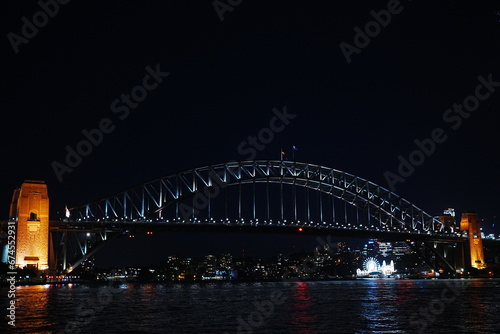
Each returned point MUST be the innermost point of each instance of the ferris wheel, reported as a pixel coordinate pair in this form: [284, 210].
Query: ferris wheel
[371, 265]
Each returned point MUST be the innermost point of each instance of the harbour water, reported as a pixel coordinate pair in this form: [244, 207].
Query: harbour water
[355, 306]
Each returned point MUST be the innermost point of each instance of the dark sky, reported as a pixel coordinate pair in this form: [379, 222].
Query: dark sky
[227, 76]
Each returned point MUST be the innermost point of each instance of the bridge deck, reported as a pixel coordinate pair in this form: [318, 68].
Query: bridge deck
[135, 227]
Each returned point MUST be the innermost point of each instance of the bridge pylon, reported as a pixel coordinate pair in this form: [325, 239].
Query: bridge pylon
[30, 210]
[470, 223]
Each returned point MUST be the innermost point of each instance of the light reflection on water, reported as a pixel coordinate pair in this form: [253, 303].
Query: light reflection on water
[360, 306]
[303, 318]
[32, 306]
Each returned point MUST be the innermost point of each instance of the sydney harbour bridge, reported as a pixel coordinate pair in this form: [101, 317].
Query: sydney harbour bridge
[265, 196]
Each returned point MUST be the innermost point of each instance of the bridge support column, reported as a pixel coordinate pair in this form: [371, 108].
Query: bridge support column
[30, 210]
[52, 255]
[470, 223]
[65, 251]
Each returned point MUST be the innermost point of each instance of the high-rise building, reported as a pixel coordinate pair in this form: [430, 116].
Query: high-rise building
[385, 248]
[370, 248]
[400, 248]
[448, 219]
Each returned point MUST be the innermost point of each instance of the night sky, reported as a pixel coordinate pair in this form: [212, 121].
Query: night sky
[225, 78]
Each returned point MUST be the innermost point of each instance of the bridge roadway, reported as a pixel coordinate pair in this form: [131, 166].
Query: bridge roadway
[318, 230]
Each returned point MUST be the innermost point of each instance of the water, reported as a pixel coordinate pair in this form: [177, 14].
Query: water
[360, 306]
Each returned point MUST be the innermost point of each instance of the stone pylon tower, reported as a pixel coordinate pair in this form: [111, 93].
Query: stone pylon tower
[470, 222]
[30, 210]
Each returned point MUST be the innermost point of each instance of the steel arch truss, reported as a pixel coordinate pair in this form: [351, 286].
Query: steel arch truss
[145, 203]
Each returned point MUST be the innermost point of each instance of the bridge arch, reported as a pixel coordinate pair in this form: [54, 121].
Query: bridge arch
[147, 202]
